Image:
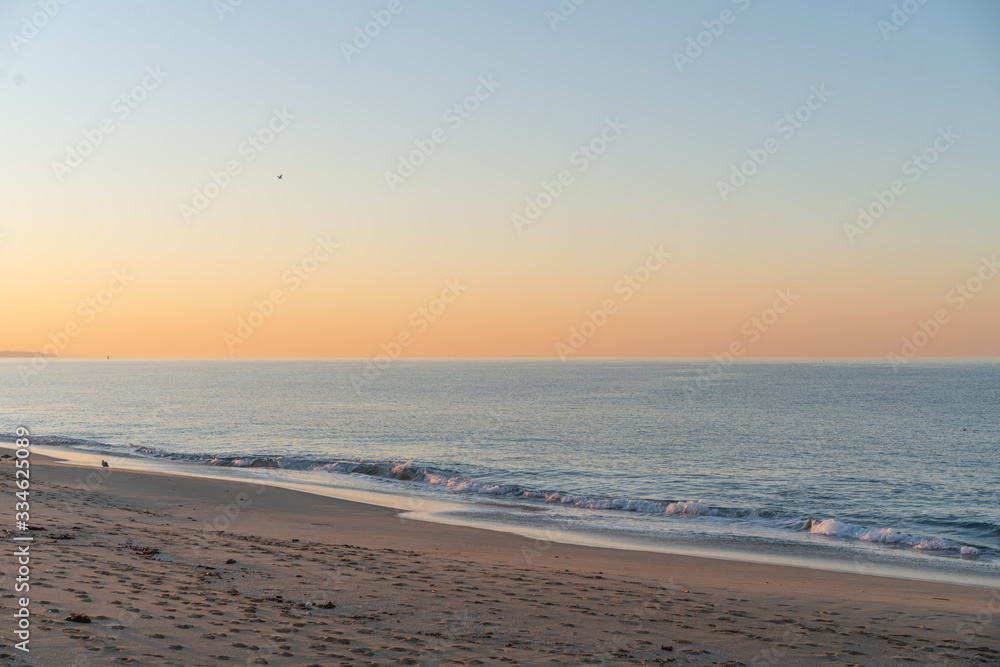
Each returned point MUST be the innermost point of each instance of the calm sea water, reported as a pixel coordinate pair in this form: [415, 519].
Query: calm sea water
[852, 465]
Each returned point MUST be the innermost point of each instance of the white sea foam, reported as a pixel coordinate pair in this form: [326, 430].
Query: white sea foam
[408, 471]
[886, 536]
[466, 485]
[696, 508]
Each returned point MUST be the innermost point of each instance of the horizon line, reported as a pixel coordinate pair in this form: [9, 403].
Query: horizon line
[509, 358]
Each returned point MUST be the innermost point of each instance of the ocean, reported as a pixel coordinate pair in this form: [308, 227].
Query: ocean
[848, 465]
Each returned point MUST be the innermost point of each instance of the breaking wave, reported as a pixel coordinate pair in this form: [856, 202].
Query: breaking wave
[408, 471]
[835, 528]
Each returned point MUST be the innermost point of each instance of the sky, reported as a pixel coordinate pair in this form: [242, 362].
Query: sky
[500, 179]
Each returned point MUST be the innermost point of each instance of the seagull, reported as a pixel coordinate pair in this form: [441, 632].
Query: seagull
[279, 176]
[104, 464]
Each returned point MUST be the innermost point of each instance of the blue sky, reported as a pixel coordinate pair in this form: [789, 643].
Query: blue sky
[658, 183]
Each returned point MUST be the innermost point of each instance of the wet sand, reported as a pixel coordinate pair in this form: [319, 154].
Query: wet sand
[183, 571]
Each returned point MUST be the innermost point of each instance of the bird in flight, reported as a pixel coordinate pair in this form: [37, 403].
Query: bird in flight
[280, 175]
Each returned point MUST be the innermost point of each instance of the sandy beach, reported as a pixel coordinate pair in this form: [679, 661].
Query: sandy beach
[296, 579]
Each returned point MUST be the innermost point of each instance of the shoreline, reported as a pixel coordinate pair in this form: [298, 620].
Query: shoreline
[875, 560]
[871, 560]
[406, 589]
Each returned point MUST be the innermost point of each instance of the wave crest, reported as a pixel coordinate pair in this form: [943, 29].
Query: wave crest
[408, 471]
[835, 528]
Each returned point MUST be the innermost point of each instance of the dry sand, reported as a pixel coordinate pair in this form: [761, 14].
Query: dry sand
[297, 579]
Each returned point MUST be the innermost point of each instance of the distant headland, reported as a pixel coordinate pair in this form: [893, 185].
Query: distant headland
[27, 354]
